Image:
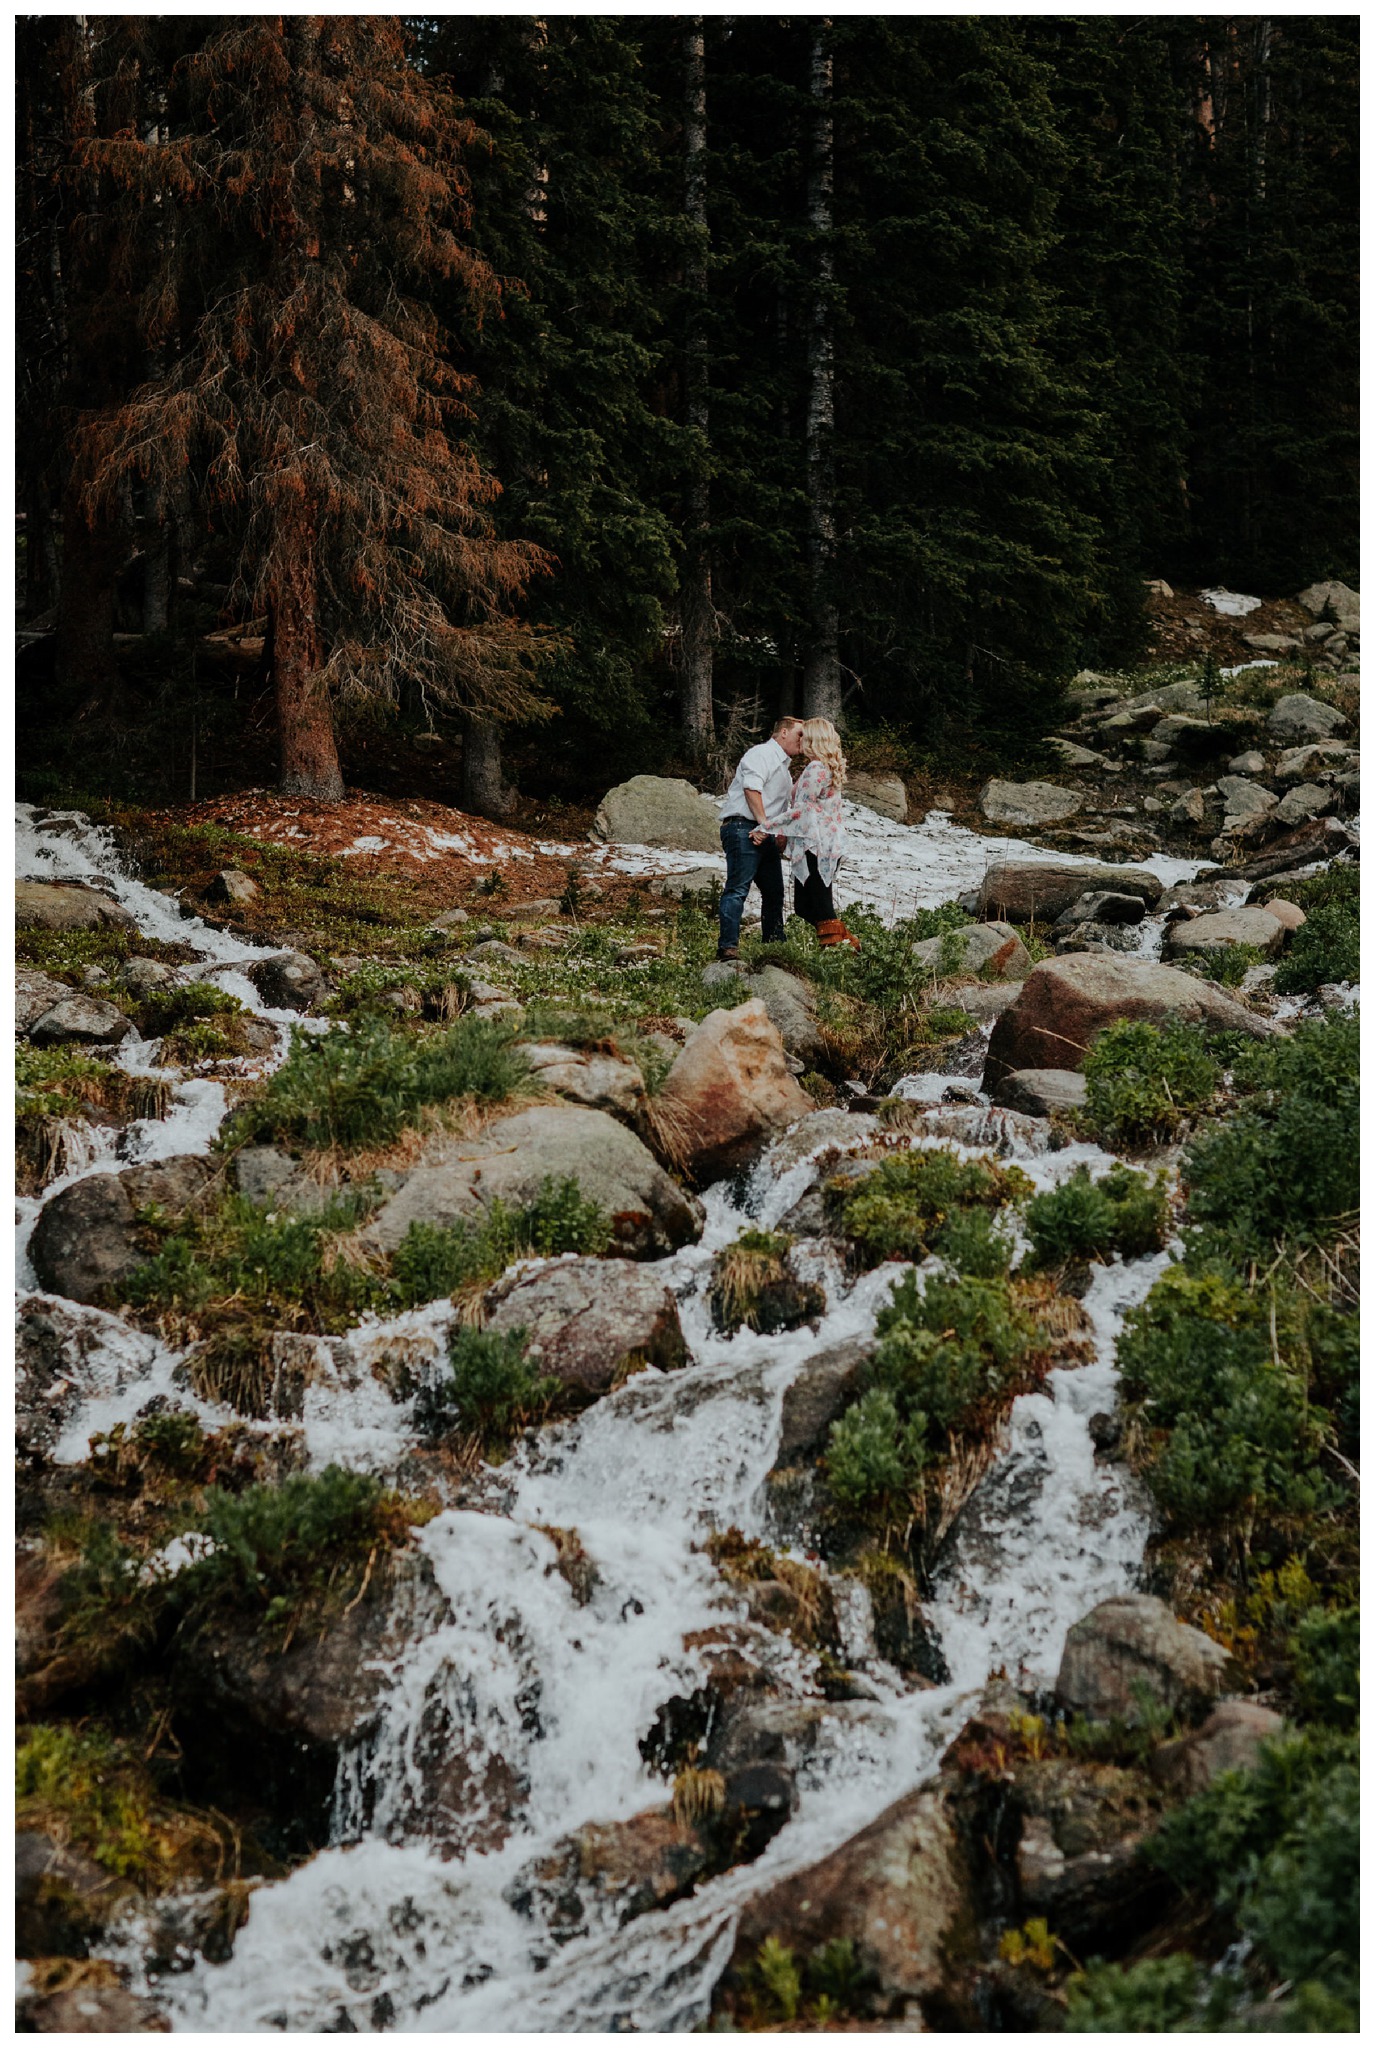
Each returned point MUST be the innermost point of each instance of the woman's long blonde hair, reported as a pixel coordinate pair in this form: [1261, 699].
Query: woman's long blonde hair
[821, 742]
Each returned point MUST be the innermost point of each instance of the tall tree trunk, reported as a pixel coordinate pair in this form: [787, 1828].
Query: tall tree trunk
[157, 580]
[305, 726]
[696, 613]
[821, 674]
[91, 557]
[485, 792]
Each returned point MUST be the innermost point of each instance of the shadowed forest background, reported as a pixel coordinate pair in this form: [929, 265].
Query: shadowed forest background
[449, 404]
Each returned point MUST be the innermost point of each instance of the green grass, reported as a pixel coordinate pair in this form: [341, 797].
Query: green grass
[754, 1287]
[363, 1086]
[433, 1259]
[1325, 949]
[305, 1542]
[85, 1788]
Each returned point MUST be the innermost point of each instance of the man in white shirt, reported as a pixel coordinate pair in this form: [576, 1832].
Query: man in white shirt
[754, 820]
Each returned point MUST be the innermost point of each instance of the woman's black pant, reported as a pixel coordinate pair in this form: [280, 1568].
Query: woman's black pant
[812, 897]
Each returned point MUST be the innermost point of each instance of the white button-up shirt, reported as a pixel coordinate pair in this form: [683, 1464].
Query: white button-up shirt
[767, 768]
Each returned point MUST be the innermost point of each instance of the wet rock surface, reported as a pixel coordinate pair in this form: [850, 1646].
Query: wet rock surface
[88, 1240]
[650, 1213]
[730, 1090]
[1134, 1645]
[591, 1322]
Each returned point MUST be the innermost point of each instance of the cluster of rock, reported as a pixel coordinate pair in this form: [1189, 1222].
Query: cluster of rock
[1218, 772]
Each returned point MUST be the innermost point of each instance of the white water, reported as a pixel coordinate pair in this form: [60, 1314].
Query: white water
[391, 1929]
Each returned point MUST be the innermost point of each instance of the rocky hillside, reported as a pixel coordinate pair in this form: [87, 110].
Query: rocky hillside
[568, 1485]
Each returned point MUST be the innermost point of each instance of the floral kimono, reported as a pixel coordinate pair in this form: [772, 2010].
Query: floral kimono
[815, 824]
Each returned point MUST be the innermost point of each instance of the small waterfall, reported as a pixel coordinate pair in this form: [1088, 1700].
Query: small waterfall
[517, 1711]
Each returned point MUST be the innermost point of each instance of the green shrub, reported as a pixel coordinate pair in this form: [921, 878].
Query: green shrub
[1326, 1653]
[945, 1348]
[900, 1210]
[874, 1459]
[167, 1009]
[442, 991]
[362, 1086]
[1338, 884]
[1236, 1429]
[1161, 1996]
[1285, 1164]
[1143, 1081]
[279, 1547]
[491, 1391]
[1278, 1847]
[1125, 1212]
[262, 1262]
[433, 1259]
[1327, 948]
[83, 1787]
[1225, 964]
[973, 1242]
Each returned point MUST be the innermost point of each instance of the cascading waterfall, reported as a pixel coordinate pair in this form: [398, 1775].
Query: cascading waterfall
[539, 1703]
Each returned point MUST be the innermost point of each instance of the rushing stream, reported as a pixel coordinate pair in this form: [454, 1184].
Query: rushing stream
[382, 1930]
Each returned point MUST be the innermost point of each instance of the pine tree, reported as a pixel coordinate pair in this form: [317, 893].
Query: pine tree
[575, 413]
[319, 192]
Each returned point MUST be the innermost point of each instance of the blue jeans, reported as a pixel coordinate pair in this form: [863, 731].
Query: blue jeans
[746, 864]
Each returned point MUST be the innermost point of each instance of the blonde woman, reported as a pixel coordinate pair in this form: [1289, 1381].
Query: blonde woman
[816, 831]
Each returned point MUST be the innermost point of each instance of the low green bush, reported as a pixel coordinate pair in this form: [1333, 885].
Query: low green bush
[434, 1259]
[83, 1787]
[1325, 1650]
[1227, 1399]
[1161, 1996]
[188, 1002]
[1124, 1212]
[440, 992]
[1285, 1164]
[491, 1390]
[944, 1352]
[276, 1549]
[974, 1243]
[902, 1208]
[361, 1087]
[1325, 949]
[262, 1263]
[1278, 1848]
[1143, 1081]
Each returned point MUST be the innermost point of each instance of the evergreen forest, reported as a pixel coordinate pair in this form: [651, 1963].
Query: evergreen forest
[590, 388]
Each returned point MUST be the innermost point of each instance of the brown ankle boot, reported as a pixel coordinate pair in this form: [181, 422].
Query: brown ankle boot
[831, 932]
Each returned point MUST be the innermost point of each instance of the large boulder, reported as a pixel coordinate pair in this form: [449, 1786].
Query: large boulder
[86, 1238]
[1242, 800]
[1065, 1003]
[993, 949]
[791, 1004]
[1316, 759]
[1131, 1650]
[510, 1161]
[1245, 927]
[1304, 801]
[80, 1019]
[1301, 717]
[886, 794]
[1230, 1739]
[34, 995]
[1041, 890]
[825, 1385]
[1338, 600]
[900, 1890]
[597, 1079]
[591, 1322]
[67, 907]
[730, 1090]
[1028, 803]
[659, 810]
[1042, 1091]
[288, 981]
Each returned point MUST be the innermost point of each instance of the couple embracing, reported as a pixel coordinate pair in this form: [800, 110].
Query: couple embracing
[767, 819]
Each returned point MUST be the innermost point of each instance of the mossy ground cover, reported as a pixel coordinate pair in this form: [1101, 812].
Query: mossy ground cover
[59, 1086]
